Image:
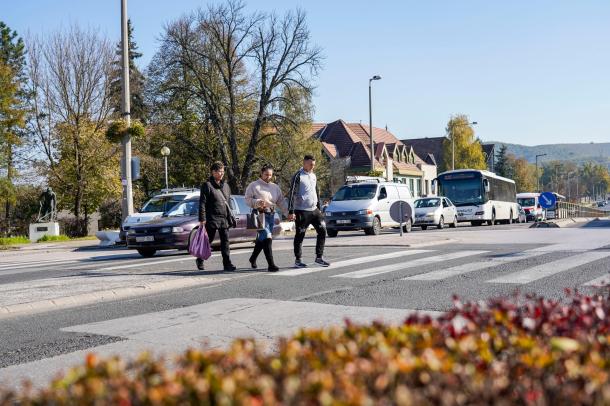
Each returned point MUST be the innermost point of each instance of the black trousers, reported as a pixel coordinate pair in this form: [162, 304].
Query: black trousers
[223, 233]
[303, 220]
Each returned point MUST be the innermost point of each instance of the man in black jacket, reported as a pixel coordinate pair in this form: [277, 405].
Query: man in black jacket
[215, 214]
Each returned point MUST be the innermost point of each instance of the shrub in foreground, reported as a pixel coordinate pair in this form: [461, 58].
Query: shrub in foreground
[528, 351]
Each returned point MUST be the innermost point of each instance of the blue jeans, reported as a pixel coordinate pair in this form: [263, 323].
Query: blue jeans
[266, 232]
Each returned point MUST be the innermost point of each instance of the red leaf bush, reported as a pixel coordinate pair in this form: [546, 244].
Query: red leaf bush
[529, 351]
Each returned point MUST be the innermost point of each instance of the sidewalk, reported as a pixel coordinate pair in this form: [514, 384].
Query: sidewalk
[19, 249]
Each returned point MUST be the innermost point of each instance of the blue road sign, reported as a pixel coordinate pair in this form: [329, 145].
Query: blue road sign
[547, 200]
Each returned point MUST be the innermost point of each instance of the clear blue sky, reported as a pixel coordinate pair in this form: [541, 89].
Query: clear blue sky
[530, 72]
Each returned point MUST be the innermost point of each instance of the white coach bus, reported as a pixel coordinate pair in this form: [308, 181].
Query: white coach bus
[479, 196]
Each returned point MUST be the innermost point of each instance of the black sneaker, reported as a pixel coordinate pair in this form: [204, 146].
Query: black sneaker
[299, 264]
[199, 263]
[320, 261]
[230, 267]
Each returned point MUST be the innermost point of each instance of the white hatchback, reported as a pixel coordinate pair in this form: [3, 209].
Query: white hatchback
[435, 211]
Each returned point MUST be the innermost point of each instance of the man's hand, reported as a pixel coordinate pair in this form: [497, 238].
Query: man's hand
[291, 217]
[202, 224]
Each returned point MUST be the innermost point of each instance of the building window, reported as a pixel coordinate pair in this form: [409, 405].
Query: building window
[411, 186]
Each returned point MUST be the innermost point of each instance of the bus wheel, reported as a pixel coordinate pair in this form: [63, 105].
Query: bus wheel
[492, 222]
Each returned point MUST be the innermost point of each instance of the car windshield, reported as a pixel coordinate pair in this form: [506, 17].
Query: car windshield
[186, 208]
[463, 192]
[527, 201]
[162, 204]
[355, 192]
[421, 203]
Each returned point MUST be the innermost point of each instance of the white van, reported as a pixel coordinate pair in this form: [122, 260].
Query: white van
[531, 205]
[156, 206]
[369, 204]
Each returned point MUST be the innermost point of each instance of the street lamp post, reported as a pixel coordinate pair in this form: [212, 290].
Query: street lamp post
[165, 152]
[537, 175]
[376, 77]
[453, 141]
[568, 187]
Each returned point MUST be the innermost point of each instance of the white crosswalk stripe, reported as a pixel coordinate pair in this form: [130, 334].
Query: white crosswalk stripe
[550, 268]
[364, 273]
[601, 281]
[474, 266]
[349, 262]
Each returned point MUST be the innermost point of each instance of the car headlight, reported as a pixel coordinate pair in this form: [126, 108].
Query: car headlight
[429, 214]
[165, 230]
[177, 229]
[131, 231]
[328, 213]
[365, 212]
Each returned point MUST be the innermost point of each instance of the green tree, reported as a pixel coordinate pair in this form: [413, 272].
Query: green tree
[502, 166]
[78, 161]
[524, 175]
[468, 149]
[12, 112]
[237, 68]
[136, 80]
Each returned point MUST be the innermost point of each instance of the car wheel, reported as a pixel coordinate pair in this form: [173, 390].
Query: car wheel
[441, 223]
[454, 224]
[147, 252]
[407, 226]
[376, 229]
[331, 233]
[492, 222]
[424, 228]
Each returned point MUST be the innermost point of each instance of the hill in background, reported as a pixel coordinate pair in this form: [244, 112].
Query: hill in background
[578, 153]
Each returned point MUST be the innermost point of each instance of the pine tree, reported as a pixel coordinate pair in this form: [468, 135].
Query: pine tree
[136, 80]
[12, 110]
[502, 166]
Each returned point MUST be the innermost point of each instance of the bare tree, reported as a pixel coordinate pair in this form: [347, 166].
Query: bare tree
[69, 78]
[241, 69]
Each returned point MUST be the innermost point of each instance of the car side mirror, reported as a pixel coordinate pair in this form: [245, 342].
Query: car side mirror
[486, 185]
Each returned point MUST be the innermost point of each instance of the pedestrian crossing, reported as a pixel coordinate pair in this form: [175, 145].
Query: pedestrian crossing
[439, 265]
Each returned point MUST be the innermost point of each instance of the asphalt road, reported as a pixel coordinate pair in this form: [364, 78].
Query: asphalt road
[380, 276]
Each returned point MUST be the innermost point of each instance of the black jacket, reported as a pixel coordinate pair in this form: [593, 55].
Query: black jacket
[212, 207]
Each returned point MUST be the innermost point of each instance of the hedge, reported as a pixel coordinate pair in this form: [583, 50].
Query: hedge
[521, 350]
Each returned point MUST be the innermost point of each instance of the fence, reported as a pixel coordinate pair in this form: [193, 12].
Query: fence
[568, 210]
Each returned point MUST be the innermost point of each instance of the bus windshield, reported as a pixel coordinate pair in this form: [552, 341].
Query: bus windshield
[462, 192]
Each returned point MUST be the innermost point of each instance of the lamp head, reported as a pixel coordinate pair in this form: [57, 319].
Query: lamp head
[165, 151]
[376, 77]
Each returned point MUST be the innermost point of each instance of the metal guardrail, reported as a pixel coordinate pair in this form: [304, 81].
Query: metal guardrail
[568, 210]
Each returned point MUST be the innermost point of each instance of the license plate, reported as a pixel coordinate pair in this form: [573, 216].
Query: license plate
[344, 221]
[148, 238]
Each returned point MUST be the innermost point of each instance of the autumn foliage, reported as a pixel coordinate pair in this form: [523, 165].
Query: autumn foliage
[530, 351]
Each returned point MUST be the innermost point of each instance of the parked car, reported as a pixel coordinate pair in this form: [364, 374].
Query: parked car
[522, 218]
[156, 206]
[175, 229]
[435, 211]
[369, 204]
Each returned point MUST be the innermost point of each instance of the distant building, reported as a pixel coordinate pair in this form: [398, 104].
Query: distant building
[347, 146]
[434, 146]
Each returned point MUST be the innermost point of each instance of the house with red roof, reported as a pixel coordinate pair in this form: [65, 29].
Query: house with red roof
[347, 145]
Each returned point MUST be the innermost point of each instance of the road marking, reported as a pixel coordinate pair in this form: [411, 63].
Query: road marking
[601, 281]
[364, 273]
[474, 266]
[348, 262]
[550, 268]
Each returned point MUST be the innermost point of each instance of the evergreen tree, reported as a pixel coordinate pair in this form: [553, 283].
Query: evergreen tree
[136, 80]
[502, 166]
[12, 111]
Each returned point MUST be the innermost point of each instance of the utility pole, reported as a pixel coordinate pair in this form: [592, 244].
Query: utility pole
[127, 201]
[537, 174]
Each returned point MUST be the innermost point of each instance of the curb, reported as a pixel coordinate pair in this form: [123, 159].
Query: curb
[66, 302]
